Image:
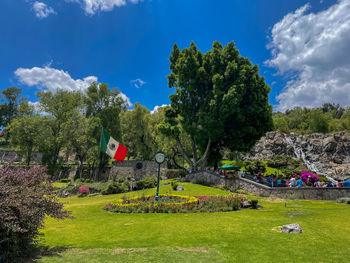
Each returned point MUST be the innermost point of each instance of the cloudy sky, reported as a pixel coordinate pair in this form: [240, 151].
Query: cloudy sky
[302, 47]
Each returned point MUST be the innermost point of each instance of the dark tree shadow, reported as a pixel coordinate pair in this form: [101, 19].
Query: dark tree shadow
[34, 253]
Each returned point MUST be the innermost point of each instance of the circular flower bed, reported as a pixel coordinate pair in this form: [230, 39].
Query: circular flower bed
[176, 204]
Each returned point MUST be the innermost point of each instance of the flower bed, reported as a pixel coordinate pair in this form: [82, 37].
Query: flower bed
[176, 204]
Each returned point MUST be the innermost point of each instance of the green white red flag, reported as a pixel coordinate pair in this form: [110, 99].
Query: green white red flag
[113, 148]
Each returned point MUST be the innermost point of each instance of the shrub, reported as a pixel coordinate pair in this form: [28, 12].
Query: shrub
[176, 204]
[84, 191]
[202, 182]
[174, 173]
[174, 185]
[145, 183]
[253, 167]
[115, 188]
[26, 197]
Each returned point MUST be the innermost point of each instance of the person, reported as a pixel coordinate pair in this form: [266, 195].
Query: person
[347, 183]
[293, 182]
[338, 184]
[270, 180]
[279, 182]
[311, 181]
[283, 182]
[317, 184]
[300, 183]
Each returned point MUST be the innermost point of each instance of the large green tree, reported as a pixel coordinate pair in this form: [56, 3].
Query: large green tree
[78, 134]
[27, 133]
[220, 101]
[105, 104]
[10, 108]
[59, 106]
[137, 132]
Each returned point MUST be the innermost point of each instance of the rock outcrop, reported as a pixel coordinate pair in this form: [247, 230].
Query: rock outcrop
[322, 153]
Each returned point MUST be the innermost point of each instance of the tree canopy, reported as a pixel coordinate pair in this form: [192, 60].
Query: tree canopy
[220, 101]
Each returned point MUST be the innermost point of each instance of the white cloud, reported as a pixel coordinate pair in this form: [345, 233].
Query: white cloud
[93, 6]
[315, 47]
[156, 108]
[137, 83]
[126, 99]
[51, 79]
[42, 10]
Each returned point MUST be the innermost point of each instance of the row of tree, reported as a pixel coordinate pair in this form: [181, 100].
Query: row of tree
[328, 118]
[220, 104]
[71, 122]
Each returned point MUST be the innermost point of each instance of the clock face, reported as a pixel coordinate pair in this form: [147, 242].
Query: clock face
[159, 157]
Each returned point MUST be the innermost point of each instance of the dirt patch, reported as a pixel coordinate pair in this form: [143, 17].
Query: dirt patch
[194, 249]
[296, 213]
[129, 250]
[128, 224]
[274, 200]
[276, 229]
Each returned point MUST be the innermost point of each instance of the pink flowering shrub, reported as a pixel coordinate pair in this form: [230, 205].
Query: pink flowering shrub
[84, 190]
[26, 198]
[306, 176]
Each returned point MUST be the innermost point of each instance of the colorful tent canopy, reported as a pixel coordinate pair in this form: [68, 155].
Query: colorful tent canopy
[229, 167]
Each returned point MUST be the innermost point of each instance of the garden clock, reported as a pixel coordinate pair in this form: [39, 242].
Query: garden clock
[159, 157]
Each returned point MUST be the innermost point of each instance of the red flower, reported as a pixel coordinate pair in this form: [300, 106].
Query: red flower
[84, 189]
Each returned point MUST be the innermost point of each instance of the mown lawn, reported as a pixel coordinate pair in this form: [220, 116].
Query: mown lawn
[241, 236]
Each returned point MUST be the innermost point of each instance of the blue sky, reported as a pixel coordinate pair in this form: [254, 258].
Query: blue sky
[300, 46]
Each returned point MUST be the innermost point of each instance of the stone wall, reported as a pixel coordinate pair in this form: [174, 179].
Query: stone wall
[136, 169]
[263, 190]
[12, 156]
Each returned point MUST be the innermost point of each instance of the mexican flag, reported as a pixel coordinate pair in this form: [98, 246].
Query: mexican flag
[113, 148]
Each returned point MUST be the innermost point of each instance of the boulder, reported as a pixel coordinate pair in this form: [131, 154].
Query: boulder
[270, 135]
[179, 188]
[291, 228]
[330, 144]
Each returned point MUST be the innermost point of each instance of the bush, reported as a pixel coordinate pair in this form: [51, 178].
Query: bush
[253, 167]
[176, 204]
[174, 185]
[145, 183]
[26, 197]
[115, 188]
[174, 173]
[84, 191]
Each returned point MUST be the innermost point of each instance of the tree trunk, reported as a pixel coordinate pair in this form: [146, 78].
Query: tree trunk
[194, 150]
[81, 166]
[205, 155]
[29, 155]
[188, 160]
[177, 165]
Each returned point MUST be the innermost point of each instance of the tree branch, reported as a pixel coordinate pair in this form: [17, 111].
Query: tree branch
[188, 160]
[205, 155]
[194, 150]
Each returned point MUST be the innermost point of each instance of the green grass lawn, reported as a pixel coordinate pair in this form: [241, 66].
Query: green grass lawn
[241, 236]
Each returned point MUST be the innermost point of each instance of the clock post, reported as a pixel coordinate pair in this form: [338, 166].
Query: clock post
[159, 158]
